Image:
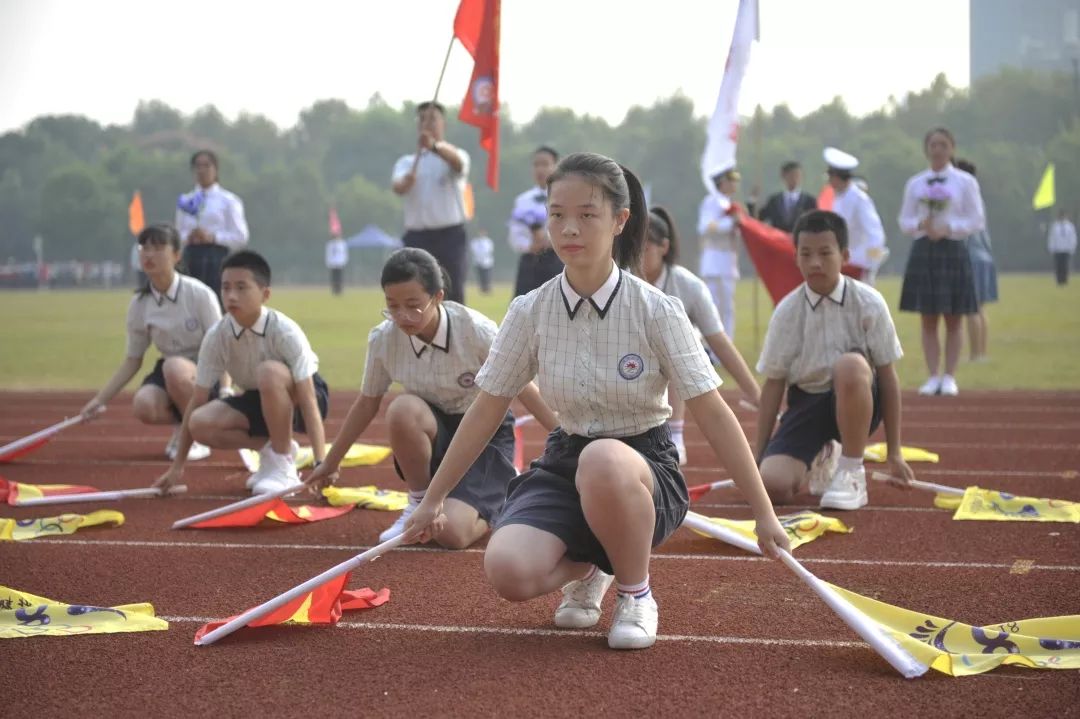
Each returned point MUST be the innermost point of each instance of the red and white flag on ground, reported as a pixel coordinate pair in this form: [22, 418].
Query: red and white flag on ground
[277, 510]
[476, 26]
[722, 134]
[13, 492]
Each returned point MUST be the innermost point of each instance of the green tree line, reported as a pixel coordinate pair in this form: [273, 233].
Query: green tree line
[69, 179]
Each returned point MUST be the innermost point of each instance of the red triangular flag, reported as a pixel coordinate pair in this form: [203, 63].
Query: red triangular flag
[275, 509]
[476, 26]
[12, 492]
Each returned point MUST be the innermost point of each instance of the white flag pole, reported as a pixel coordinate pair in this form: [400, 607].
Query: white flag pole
[143, 493]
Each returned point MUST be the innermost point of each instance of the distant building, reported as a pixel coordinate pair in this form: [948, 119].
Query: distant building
[1032, 35]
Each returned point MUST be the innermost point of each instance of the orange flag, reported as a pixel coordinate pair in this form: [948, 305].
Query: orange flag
[136, 219]
[323, 605]
[277, 510]
[11, 492]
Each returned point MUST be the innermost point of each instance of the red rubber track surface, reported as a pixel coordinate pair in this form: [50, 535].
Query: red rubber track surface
[738, 634]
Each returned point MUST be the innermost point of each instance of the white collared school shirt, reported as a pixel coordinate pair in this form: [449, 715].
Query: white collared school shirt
[229, 347]
[437, 198]
[442, 373]
[809, 332]
[963, 214]
[602, 362]
[222, 215]
[174, 322]
[679, 282]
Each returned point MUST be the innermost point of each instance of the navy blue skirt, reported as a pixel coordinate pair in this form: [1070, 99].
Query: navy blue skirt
[938, 279]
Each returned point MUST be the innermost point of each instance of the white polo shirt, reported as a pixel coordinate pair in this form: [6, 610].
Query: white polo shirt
[677, 281]
[437, 198]
[963, 213]
[808, 332]
[222, 215]
[229, 347]
[174, 322]
[602, 362]
[442, 373]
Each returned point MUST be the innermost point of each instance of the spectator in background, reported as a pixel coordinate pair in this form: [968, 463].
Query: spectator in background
[483, 256]
[782, 209]
[984, 273]
[211, 222]
[719, 233]
[528, 227]
[1062, 245]
[337, 256]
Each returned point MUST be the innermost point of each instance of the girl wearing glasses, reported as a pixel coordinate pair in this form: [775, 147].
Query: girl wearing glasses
[433, 348]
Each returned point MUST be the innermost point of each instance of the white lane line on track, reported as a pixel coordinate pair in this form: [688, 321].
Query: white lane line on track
[922, 471]
[434, 550]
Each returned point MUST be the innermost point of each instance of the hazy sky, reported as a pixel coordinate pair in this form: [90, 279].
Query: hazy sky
[596, 56]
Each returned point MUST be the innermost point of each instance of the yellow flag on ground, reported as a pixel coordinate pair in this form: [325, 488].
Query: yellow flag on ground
[1044, 195]
[27, 615]
[16, 530]
[369, 497]
[359, 455]
[989, 504]
[136, 218]
[878, 453]
[960, 649]
[801, 528]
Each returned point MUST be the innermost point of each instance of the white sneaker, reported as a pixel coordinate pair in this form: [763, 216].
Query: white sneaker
[931, 387]
[634, 623]
[948, 386]
[276, 472]
[580, 607]
[196, 452]
[823, 467]
[398, 527]
[173, 444]
[847, 490]
[265, 451]
[681, 447]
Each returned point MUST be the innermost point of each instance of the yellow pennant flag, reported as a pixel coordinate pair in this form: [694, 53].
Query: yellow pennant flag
[16, 530]
[359, 455]
[1044, 195]
[989, 504]
[879, 452]
[26, 615]
[136, 218]
[959, 649]
[369, 497]
[801, 528]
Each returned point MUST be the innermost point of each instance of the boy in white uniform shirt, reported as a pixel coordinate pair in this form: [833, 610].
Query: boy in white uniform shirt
[603, 345]
[831, 343]
[432, 348]
[268, 355]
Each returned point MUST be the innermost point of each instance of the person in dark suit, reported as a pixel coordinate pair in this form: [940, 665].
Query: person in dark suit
[782, 209]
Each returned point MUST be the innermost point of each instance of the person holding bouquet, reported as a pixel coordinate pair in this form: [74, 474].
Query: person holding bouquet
[528, 228]
[210, 221]
[942, 206]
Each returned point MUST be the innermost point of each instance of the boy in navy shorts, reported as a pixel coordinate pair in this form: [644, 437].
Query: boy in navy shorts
[831, 344]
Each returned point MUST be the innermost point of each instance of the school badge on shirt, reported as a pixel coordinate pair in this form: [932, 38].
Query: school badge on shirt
[631, 366]
[466, 380]
[191, 324]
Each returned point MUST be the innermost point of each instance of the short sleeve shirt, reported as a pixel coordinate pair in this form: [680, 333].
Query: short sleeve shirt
[174, 322]
[603, 362]
[809, 332]
[437, 198]
[442, 373]
[229, 347]
[677, 281]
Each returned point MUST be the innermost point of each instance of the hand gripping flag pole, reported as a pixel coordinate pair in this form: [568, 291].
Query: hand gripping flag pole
[112, 496]
[298, 591]
[29, 443]
[883, 644]
[237, 506]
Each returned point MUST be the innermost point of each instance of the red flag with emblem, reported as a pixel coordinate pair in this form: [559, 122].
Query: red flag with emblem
[476, 26]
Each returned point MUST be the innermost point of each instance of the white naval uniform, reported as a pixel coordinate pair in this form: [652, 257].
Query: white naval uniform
[719, 256]
[866, 235]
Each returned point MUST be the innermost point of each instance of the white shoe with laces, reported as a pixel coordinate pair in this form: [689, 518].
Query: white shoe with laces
[580, 607]
[173, 444]
[398, 527]
[948, 386]
[264, 452]
[634, 623]
[847, 490]
[196, 452]
[931, 387]
[823, 467]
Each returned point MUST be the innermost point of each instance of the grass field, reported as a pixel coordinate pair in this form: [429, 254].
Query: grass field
[75, 339]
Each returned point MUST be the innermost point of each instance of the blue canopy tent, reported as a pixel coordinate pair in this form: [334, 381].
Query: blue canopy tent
[373, 236]
[371, 241]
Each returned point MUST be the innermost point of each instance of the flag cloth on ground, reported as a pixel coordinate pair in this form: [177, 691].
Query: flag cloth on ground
[879, 452]
[801, 527]
[959, 649]
[136, 218]
[322, 605]
[476, 26]
[17, 530]
[1045, 196]
[277, 510]
[12, 492]
[359, 455]
[27, 615]
[992, 505]
[368, 497]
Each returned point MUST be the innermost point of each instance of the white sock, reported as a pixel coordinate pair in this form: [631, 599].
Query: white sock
[416, 497]
[637, 591]
[849, 464]
[676, 427]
